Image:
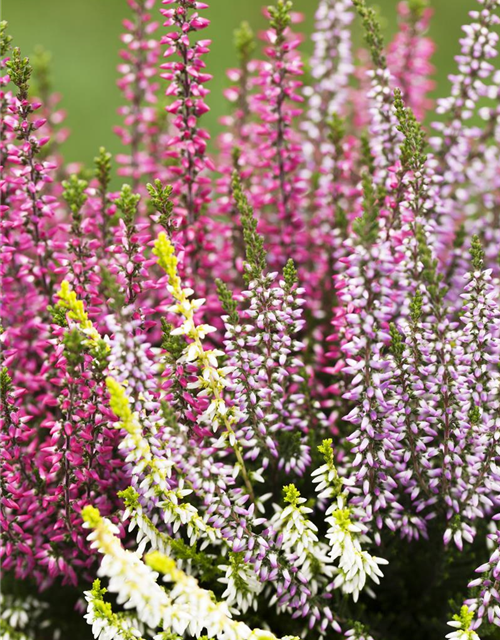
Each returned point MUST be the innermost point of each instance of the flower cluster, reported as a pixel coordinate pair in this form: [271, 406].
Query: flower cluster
[186, 608]
[139, 86]
[187, 79]
[266, 378]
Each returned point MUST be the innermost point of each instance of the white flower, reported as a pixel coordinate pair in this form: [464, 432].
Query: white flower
[300, 541]
[207, 616]
[242, 585]
[355, 565]
[133, 581]
[187, 608]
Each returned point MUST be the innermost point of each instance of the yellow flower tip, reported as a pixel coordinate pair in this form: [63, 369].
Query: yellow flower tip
[91, 516]
[68, 300]
[118, 401]
[164, 251]
[67, 297]
[64, 291]
[160, 562]
[113, 385]
[96, 587]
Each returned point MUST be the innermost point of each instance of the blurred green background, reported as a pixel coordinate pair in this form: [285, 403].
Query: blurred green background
[83, 37]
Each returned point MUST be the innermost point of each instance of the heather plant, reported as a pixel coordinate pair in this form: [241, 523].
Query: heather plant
[255, 392]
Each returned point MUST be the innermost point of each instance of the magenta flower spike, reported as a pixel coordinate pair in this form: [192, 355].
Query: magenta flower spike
[139, 86]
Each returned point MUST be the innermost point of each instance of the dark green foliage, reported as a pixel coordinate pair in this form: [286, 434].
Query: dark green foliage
[103, 169]
[6, 631]
[20, 70]
[254, 243]
[397, 346]
[58, 315]
[111, 290]
[75, 196]
[423, 590]
[366, 226]
[227, 301]
[5, 39]
[244, 41]
[373, 33]
[325, 449]
[74, 349]
[336, 132]
[413, 148]
[430, 274]
[460, 237]
[5, 384]
[173, 345]
[290, 275]
[99, 353]
[235, 155]
[161, 202]
[416, 307]
[104, 612]
[289, 444]
[208, 567]
[169, 415]
[477, 254]
[168, 635]
[366, 154]
[417, 7]
[280, 19]
[474, 415]
[180, 549]
[127, 203]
